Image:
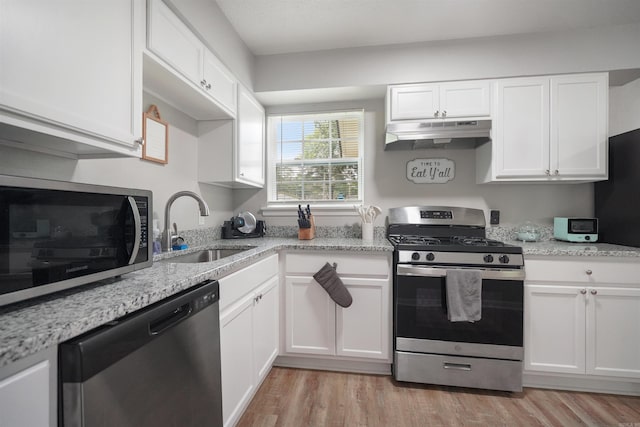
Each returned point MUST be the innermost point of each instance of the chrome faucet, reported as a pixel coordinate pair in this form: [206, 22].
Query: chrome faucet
[204, 211]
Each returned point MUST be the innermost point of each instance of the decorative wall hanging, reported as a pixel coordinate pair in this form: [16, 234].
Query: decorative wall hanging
[155, 134]
[431, 171]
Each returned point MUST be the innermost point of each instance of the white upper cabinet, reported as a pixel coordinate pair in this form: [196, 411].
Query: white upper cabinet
[465, 99]
[218, 81]
[181, 70]
[520, 128]
[579, 132]
[438, 101]
[547, 129]
[172, 41]
[412, 102]
[73, 70]
[231, 152]
[250, 141]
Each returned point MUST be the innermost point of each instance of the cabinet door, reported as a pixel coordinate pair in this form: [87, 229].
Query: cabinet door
[265, 327]
[219, 82]
[465, 99]
[236, 359]
[363, 329]
[613, 332]
[554, 329]
[172, 41]
[250, 140]
[310, 317]
[24, 397]
[414, 102]
[75, 66]
[520, 130]
[579, 134]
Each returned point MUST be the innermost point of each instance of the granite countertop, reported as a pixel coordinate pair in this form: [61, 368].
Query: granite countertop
[558, 248]
[37, 324]
[34, 325]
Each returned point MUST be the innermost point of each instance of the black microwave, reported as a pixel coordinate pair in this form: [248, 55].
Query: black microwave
[56, 235]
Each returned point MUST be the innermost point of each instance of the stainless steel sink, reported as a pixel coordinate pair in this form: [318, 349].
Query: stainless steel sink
[207, 255]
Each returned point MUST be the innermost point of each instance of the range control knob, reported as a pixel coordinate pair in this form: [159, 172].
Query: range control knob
[415, 256]
[503, 259]
[587, 237]
[430, 256]
[488, 258]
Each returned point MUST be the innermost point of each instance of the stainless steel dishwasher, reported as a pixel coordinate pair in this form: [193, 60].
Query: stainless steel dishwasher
[159, 366]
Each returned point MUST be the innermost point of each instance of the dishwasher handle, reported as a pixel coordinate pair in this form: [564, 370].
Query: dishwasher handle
[169, 320]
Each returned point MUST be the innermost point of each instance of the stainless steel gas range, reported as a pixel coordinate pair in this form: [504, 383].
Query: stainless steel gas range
[429, 348]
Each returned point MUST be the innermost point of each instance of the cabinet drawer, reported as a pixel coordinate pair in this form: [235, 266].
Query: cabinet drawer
[363, 265]
[603, 271]
[240, 283]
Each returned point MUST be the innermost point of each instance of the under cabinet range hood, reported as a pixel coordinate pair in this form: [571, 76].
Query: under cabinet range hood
[433, 134]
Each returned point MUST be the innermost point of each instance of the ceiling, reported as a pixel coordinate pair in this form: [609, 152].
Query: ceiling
[287, 26]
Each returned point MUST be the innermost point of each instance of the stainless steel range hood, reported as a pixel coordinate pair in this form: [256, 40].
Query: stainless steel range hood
[432, 134]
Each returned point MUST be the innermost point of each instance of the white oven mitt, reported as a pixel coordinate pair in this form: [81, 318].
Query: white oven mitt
[329, 280]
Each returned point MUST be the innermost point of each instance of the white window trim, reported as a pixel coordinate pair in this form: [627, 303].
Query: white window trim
[320, 208]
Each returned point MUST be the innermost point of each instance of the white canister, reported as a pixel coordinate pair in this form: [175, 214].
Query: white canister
[367, 231]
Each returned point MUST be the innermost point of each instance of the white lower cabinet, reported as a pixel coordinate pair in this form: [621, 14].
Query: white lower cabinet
[583, 318]
[316, 325]
[28, 391]
[249, 333]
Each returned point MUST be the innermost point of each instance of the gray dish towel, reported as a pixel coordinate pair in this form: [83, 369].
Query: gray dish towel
[464, 295]
[329, 280]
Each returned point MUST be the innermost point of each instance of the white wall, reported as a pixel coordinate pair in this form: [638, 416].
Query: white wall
[181, 173]
[386, 185]
[598, 49]
[207, 20]
[163, 180]
[624, 108]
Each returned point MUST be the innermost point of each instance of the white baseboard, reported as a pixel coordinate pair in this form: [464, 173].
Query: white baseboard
[377, 368]
[575, 383]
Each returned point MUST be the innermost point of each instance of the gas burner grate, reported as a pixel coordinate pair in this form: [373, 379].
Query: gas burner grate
[415, 240]
[475, 241]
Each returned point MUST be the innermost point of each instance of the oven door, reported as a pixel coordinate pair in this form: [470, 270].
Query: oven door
[421, 323]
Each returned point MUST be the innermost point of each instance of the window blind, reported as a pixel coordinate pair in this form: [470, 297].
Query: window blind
[316, 157]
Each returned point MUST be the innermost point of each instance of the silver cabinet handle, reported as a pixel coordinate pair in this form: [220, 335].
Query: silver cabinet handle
[589, 272]
[444, 113]
[593, 292]
[203, 82]
[457, 366]
[208, 86]
[139, 141]
[547, 172]
[583, 291]
[555, 172]
[437, 113]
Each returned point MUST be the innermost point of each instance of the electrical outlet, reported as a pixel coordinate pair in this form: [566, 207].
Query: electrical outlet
[494, 218]
[200, 220]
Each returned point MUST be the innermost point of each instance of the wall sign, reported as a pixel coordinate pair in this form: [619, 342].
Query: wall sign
[431, 171]
[155, 134]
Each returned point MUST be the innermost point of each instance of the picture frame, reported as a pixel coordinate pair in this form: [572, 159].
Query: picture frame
[155, 134]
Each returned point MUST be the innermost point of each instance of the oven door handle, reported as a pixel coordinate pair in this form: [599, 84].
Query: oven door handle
[489, 274]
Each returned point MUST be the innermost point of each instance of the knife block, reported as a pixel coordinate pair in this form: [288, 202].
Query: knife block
[308, 233]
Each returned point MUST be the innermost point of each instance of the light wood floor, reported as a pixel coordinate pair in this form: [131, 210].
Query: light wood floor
[298, 397]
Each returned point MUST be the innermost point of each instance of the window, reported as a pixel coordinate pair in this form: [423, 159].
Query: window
[315, 158]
